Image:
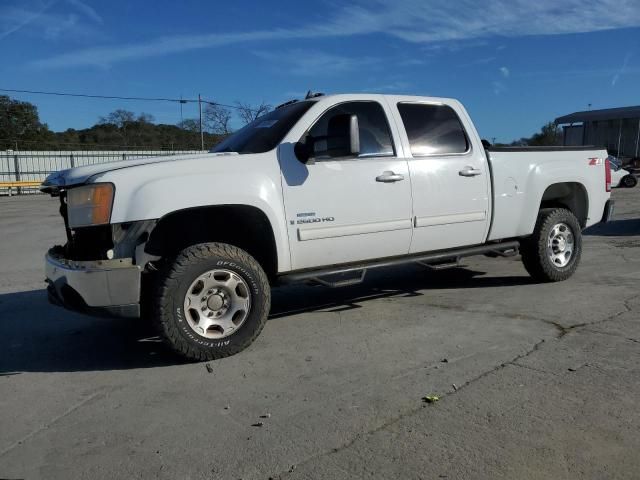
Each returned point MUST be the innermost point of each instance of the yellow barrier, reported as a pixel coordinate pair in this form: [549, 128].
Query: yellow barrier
[19, 184]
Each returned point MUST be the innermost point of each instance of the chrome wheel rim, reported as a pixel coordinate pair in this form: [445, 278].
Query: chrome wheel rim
[217, 303]
[561, 245]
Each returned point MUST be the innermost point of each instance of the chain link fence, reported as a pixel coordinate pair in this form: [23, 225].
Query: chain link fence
[34, 165]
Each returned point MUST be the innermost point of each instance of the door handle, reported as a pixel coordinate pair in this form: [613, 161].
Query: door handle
[389, 177]
[469, 171]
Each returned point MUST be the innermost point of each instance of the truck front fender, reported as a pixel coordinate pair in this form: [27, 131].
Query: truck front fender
[155, 193]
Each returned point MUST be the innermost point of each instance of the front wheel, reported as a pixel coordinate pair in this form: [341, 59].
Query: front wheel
[212, 301]
[552, 253]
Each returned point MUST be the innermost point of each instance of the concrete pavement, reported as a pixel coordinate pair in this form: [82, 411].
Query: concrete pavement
[535, 380]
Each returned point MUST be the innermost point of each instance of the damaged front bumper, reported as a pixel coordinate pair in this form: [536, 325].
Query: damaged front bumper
[100, 287]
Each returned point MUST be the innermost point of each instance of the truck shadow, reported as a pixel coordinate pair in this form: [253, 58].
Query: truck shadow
[401, 282]
[38, 337]
[616, 228]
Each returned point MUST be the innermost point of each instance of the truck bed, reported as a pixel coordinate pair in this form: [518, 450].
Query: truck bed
[524, 178]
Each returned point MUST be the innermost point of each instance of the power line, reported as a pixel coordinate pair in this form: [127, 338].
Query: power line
[116, 97]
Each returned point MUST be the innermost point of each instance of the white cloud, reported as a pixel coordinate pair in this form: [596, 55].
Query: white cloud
[86, 10]
[479, 61]
[622, 70]
[411, 62]
[14, 19]
[48, 19]
[504, 71]
[310, 62]
[397, 86]
[417, 21]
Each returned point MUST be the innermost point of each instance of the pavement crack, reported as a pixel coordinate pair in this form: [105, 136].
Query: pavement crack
[510, 316]
[411, 411]
[56, 419]
[563, 330]
[627, 309]
[611, 334]
[516, 364]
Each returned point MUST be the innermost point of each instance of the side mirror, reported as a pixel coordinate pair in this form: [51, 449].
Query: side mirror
[354, 135]
[304, 151]
[342, 139]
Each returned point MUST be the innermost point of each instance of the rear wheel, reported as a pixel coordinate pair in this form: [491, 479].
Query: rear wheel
[212, 301]
[553, 251]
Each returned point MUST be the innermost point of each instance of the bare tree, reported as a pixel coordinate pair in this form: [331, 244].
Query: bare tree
[119, 118]
[145, 118]
[217, 118]
[249, 113]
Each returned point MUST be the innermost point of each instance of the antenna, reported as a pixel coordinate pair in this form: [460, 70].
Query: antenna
[311, 94]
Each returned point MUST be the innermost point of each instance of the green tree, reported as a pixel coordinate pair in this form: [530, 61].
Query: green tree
[549, 135]
[189, 125]
[20, 121]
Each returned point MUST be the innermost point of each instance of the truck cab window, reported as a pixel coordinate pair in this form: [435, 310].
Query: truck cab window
[433, 129]
[330, 134]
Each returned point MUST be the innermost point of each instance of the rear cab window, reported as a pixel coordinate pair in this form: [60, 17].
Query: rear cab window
[433, 129]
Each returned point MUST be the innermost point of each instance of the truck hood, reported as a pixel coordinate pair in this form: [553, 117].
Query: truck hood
[80, 175]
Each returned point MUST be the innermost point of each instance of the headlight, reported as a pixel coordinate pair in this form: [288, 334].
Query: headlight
[90, 205]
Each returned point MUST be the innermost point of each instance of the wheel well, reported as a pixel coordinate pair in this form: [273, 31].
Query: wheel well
[570, 195]
[244, 226]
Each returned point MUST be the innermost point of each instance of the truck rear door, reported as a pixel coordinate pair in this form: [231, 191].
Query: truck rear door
[449, 174]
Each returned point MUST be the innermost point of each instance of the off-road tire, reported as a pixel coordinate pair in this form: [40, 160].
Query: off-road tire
[534, 250]
[172, 283]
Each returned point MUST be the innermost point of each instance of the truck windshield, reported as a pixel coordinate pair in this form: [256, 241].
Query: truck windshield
[264, 133]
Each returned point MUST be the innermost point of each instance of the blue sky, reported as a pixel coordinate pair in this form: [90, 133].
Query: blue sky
[516, 64]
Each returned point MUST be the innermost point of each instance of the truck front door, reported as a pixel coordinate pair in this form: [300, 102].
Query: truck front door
[341, 207]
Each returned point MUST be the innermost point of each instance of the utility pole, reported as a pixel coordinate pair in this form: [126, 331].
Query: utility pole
[619, 138]
[201, 131]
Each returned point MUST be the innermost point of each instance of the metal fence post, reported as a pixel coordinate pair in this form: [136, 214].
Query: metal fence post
[72, 160]
[16, 168]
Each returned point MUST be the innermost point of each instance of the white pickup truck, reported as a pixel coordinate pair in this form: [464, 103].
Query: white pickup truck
[318, 190]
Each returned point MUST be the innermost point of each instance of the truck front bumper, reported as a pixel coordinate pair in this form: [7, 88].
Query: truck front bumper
[101, 287]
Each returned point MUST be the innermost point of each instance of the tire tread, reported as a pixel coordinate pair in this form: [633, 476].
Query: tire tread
[534, 249]
[168, 280]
